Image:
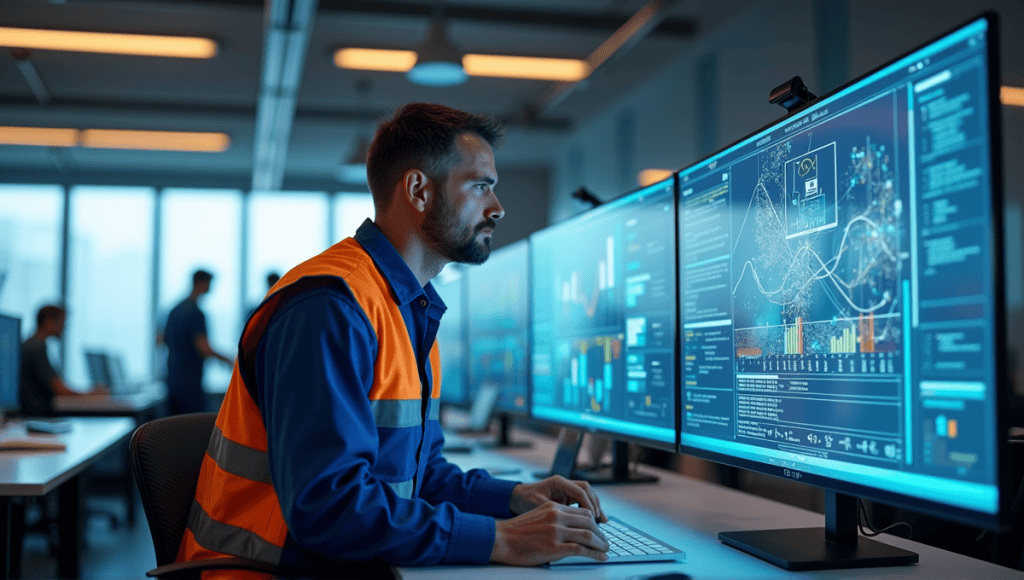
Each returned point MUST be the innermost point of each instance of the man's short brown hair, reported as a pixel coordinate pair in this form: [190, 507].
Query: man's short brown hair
[421, 136]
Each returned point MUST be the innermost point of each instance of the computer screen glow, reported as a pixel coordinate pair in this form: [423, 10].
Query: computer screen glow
[604, 318]
[837, 294]
[451, 337]
[498, 325]
[10, 355]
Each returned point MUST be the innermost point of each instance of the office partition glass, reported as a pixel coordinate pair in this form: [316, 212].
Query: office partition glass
[110, 274]
[285, 229]
[31, 227]
[202, 228]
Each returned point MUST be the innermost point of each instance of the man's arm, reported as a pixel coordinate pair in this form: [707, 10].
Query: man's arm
[314, 368]
[473, 491]
[59, 387]
[204, 349]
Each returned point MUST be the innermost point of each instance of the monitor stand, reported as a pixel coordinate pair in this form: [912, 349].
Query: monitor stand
[564, 463]
[837, 545]
[503, 441]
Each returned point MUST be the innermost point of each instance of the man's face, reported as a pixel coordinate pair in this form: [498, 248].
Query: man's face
[57, 325]
[462, 216]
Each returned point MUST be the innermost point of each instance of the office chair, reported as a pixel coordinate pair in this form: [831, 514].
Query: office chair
[166, 457]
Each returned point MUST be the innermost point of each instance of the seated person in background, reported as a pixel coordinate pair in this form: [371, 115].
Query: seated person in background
[40, 383]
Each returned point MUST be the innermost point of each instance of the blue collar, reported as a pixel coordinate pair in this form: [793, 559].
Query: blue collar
[403, 282]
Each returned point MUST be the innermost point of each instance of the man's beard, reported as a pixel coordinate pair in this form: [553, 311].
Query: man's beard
[443, 231]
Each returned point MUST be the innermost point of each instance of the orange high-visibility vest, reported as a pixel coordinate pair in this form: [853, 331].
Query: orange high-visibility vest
[236, 511]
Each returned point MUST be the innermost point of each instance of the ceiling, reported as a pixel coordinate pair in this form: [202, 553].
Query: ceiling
[333, 107]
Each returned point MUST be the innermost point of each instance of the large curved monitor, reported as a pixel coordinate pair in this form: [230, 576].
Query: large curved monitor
[841, 295]
[498, 324]
[604, 318]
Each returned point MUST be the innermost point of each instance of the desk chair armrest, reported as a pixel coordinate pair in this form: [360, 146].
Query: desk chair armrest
[194, 568]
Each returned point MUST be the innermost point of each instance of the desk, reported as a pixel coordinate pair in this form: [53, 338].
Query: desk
[35, 473]
[139, 405]
[143, 406]
[689, 514]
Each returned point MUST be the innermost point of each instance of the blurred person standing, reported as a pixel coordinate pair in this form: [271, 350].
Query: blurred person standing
[40, 382]
[187, 349]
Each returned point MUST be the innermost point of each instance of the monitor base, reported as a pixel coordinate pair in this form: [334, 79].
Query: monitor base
[607, 475]
[505, 444]
[806, 549]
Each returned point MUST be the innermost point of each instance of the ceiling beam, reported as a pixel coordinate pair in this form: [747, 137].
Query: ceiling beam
[581, 21]
[288, 24]
[619, 43]
[596, 21]
[12, 111]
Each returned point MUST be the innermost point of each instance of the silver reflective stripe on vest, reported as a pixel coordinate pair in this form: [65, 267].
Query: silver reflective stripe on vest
[435, 410]
[238, 459]
[402, 488]
[397, 412]
[227, 539]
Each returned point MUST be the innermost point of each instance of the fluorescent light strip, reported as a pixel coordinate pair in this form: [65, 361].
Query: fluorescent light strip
[652, 176]
[374, 59]
[481, 65]
[109, 43]
[522, 67]
[1012, 96]
[155, 140]
[115, 139]
[38, 136]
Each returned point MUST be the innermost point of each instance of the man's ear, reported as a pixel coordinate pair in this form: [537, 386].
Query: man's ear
[418, 189]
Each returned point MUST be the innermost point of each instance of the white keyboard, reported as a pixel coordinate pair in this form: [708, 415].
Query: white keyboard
[628, 544]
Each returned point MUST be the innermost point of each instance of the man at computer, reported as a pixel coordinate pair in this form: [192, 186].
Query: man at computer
[327, 446]
[40, 382]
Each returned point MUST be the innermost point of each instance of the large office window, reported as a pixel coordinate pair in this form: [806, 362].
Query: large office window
[110, 278]
[284, 230]
[31, 227]
[350, 209]
[202, 229]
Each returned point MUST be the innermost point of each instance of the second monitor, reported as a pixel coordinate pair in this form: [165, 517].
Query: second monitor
[604, 317]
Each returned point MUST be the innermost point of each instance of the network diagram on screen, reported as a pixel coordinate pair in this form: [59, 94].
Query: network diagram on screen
[835, 286]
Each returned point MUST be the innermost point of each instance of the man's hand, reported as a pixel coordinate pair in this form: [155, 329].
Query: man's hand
[527, 496]
[547, 533]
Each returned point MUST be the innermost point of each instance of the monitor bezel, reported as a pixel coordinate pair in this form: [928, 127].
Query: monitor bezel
[1002, 517]
[644, 441]
[470, 273]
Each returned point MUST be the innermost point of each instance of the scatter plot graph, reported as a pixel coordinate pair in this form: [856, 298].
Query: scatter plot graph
[817, 253]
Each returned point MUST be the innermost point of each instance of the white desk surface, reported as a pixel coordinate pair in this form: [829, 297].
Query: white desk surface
[33, 473]
[148, 396]
[689, 514]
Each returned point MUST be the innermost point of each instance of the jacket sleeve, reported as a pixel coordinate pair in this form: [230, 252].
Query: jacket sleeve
[473, 491]
[314, 369]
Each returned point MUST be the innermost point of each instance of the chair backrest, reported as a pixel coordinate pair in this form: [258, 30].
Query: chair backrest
[166, 456]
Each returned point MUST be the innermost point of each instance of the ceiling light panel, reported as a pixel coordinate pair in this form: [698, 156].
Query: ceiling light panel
[521, 67]
[155, 140]
[375, 59]
[1012, 96]
[38, 136]
[482, 65]
[108, 43]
